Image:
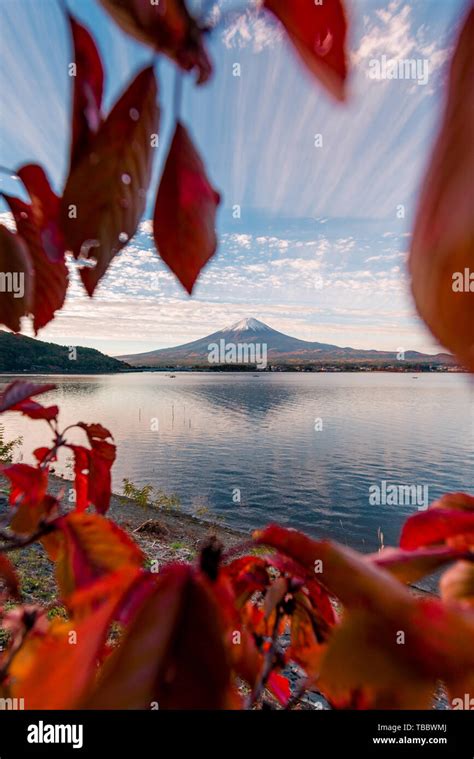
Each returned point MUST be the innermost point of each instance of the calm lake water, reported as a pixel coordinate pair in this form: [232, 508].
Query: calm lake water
[262, 435]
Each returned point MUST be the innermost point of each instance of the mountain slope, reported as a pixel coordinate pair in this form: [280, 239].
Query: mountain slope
[24, 354]
[280, 349]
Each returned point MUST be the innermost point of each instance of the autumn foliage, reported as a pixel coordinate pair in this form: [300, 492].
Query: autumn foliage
[220, 633]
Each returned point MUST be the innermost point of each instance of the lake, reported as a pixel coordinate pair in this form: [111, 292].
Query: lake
[304, 450]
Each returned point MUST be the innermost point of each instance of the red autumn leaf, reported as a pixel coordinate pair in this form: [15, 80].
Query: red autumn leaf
[18, 391]
[51, 673]
[316, 594]
[185, 210]
[8, 575]
[246, 575]
[95, 431]
[173, 653]
[318, 32]
[85, 547]
[275, 595]
[167, 27]
[409, 566]
[88, 88]
[442, 249]
[457, 584]
[38, 230]
[384, 674]
[17, 269]
[105, 194]
[462, 501]
[81, 476]
[28, 495]
[246, 659]
[308, 636]
[435, 526]
[36, 411]
[280, 687]
[121, 583]
[99, 463]
[41, 453]
[45, 210]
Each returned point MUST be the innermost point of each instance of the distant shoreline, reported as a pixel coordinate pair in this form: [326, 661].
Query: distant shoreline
[410, 369]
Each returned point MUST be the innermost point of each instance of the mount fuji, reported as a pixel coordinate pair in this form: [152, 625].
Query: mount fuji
[280, 348]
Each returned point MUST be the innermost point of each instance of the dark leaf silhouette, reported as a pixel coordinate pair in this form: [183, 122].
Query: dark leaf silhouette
[167, 27]
[105, 194]
[87, 92]
[442, 249]
[37, 224]
[18, 391]
[16, 266]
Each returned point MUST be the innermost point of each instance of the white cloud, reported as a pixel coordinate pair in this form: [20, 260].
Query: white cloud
[391, 34]
[251, 29]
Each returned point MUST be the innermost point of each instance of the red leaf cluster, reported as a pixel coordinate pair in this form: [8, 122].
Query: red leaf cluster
[39, 236]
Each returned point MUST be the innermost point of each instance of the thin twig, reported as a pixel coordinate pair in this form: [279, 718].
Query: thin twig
[15, 543]
[141, 526]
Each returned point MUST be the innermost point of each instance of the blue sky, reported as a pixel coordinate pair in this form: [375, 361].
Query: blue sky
[320, 248]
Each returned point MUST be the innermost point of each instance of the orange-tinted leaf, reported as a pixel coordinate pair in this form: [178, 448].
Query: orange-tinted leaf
[52, 672]
[318, 32]
[18, 391]
[88, 87]
[8, 575]
[442, 250]
[332, 564]
[105, 193]
[167, 27]
[457, 583]
[246, 575]
[366, 663]
[461, 501]
[119, 583]
[185, 210]
[173, 653]
[38, 229]
[306, 646]
[410, 566]
[435, 525]
[27, 495]
[85, 547]
[16, 269]
[245, 657]
[274, 595]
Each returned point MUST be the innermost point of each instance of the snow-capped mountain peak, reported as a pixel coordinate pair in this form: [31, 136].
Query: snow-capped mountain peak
[244, 325]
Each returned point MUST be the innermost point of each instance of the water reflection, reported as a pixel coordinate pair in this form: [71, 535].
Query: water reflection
[301, 449]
